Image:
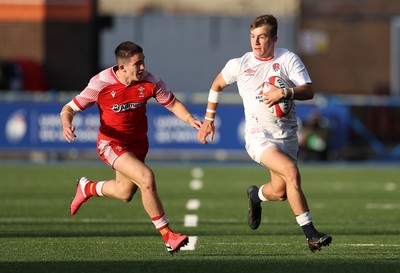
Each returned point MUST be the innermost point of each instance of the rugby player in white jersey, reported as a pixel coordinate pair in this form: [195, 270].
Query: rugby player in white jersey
[270, 141]
[121, 93]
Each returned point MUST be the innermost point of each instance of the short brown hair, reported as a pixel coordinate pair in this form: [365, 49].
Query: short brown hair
[268, 20]
[126, 50]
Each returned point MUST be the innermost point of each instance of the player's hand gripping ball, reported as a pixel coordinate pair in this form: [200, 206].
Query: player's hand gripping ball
[283, 106]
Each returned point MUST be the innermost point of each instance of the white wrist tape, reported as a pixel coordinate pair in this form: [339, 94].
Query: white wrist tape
[73, 105]
[214, 96]
[66, 112]
[187, 117]
[284, 93]
[292, 96]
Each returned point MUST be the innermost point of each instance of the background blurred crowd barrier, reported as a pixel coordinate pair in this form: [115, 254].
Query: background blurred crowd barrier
[22, 74]
[331, 128]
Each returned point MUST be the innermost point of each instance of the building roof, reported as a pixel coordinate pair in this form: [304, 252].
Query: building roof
[210, 7]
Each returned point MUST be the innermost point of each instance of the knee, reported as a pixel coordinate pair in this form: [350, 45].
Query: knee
[148, 181]
[282, 198]
[292, 176]
[125, 194]
[277, 193]
[127, 198]
[281, 195]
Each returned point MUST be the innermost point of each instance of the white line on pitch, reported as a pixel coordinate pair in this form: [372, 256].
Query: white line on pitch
[197, 173]
[196, 184]
[192, 243]
[289, 244]
[383, 206]
[193, 204]
[191, 220]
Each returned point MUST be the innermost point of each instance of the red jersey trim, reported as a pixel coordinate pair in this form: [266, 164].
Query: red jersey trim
[77, 104]
[169, 102]
[265, 59]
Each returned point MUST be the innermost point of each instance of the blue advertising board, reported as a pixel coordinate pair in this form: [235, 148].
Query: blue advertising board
[167, 132]
[36, 126]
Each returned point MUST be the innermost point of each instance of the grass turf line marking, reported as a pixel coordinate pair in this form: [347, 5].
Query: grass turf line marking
[366, 245]
[193, 204]
[196, 184]
[222, 221]
[190, 220]
[383, 206]
[197, 173]
[390, 186]
[192, 243]
[292, 244]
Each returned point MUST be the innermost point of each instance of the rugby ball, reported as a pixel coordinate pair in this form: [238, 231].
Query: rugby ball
[283, 106]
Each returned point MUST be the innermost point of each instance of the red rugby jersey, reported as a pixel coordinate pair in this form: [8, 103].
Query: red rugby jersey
[123, 107]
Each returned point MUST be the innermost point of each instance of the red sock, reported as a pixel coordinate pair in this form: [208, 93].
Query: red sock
[162, 225]
[90, 189]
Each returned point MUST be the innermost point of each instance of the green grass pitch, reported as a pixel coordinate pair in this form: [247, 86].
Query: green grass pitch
[358, 205]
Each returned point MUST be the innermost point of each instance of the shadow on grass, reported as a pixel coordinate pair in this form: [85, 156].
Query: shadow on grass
[207, 264]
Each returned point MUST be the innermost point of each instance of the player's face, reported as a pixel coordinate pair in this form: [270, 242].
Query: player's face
[262, 43]
[134, 68]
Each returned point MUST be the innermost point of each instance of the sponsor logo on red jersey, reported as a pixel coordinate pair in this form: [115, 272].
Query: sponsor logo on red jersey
[126, 106]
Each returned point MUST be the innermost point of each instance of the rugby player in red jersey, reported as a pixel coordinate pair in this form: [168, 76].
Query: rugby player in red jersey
[121, 93]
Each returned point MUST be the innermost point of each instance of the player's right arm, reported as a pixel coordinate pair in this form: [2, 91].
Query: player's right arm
[67, 115]
[208, 128]
[84, 100]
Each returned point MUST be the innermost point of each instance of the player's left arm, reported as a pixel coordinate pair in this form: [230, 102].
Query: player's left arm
[303, 92]
[298, 75]
[181, 112]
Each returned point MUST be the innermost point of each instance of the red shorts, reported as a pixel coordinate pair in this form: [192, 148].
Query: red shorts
[110, 150]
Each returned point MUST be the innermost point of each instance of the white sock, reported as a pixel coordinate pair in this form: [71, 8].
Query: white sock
[160, 222]
[99, 186]
[261, 195]
[304, 218]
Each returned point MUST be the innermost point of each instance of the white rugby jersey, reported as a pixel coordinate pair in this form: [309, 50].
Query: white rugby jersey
[250, 74]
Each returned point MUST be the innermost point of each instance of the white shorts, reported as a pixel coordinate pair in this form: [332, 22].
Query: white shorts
[255, 146]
